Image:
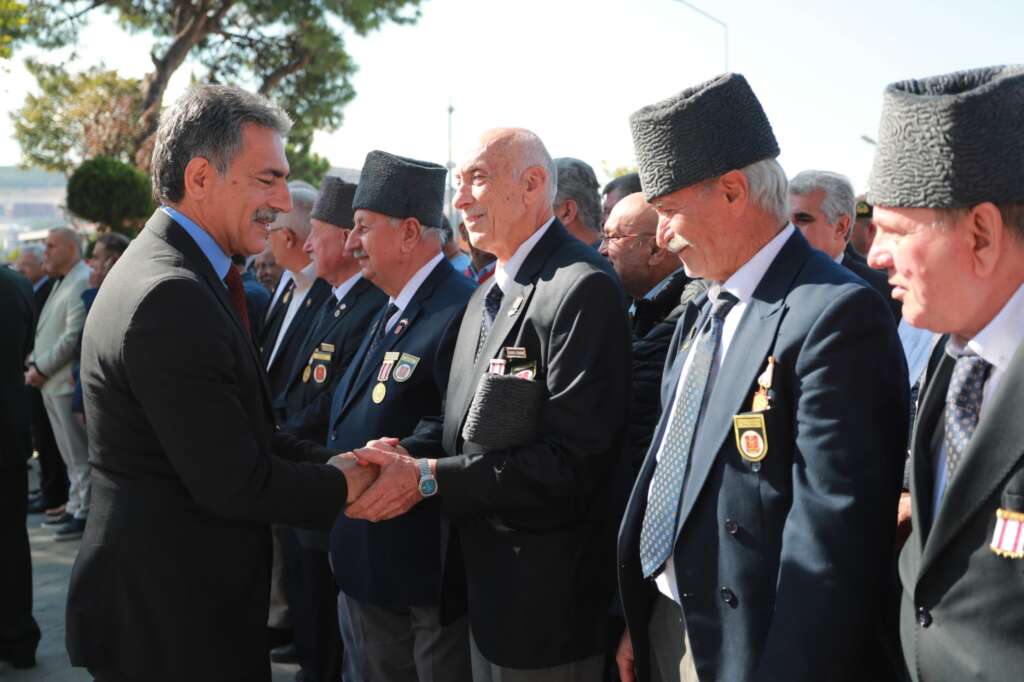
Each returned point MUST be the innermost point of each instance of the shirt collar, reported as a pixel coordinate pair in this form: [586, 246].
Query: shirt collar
[210, 248]
[40, 282]
[999, 339]
[413, 285]
[660, 286]
[304, 278]
[505, 274]
[744, 281]
[341, 291]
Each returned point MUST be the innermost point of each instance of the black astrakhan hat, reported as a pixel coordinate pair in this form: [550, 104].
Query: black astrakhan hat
[401, 188]
[334, 203]
[702, 132]
[951, 141]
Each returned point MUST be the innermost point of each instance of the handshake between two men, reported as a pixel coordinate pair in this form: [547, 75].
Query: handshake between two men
[383, 480]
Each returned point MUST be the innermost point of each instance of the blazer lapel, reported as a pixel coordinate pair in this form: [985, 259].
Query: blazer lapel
[461, 384]
[994, 451]
[749, 348]
[922, 483]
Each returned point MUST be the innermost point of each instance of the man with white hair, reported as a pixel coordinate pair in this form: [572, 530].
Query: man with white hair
[823, 208]
[299, 293]
[761, 524]
[49, 369]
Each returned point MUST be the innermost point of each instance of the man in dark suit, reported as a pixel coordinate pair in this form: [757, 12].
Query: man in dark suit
[53, 473]
[524, 475]
[822, 205]
[948, 192]
[761, 523]
[171, 581]
[19, 633]
[389, 573]
[303, 409]
[299, 295]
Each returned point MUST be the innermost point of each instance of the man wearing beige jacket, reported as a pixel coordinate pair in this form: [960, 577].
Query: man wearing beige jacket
[49, 369]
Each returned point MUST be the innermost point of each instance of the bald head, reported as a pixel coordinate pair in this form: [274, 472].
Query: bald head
[505, 190]
[632, 248]
[289, 231]
[62, 252]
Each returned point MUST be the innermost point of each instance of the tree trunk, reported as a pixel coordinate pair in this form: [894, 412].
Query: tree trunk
[192, 24]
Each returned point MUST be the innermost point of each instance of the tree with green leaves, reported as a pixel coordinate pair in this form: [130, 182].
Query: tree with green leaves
[291, 51]
[111, 193]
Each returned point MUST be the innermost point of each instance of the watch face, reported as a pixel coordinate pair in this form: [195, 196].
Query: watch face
[428, 487]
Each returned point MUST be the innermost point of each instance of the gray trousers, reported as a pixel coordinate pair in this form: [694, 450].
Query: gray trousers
[671, 659]
[401, 645]
[587, 670]
[69, 432]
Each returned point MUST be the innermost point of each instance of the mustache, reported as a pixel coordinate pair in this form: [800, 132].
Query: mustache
[264, 215]
[359, 253]
[677, 244]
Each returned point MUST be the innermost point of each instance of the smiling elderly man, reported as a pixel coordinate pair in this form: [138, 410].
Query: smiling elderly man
[760, 526]
[172, 579]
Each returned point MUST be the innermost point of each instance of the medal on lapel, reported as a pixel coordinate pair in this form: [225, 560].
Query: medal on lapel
[1008, 538]
[751, 436]
[763, 396]
[406, 364]
[400, 327]
[320, 373]
[306, 373]
[385, 369]
[379, 391]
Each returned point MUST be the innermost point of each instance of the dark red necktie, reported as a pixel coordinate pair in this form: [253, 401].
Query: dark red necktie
[236, 292]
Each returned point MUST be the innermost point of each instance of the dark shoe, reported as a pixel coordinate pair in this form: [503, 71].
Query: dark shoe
[58, 521]
[286, 653]
[72, 531]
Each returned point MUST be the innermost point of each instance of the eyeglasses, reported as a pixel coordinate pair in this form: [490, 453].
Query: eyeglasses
[616, 237]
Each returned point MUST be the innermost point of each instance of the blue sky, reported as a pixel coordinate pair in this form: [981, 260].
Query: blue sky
[573, 71]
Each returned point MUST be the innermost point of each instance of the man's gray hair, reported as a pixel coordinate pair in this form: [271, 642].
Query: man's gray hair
[69, 236]
[437, 233]
[303, 198]
[839, 199]
[207, 122]
[34, 250]
[576, 180]
[768, 185]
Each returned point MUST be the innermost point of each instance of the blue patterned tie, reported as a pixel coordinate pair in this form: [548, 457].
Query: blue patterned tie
[492, 303]
[963, 405]
[658, 534]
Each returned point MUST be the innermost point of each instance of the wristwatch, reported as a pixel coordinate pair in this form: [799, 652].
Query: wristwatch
[428, 484]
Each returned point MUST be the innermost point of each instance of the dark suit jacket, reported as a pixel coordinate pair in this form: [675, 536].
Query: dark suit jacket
[961, 617]
[876, 279]
[779, 562]
[534, 521]
[292, 349]
[43, 293]
[396, 563]
[18, 312]
[256, 301]
[172, 578]
[304, 404]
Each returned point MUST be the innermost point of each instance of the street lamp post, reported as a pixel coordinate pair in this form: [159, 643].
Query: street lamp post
[725, 30]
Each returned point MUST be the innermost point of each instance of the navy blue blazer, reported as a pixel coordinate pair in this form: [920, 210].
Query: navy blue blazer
[397, 563]
[780, 563]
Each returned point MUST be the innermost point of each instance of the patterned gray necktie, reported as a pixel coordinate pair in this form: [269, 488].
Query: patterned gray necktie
[963, 405]
[658, 533]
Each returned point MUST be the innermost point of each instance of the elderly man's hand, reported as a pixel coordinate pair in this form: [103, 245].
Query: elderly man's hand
[34, 378]
[396, 491]
[359, 476]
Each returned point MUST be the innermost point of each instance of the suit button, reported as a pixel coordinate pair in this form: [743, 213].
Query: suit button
[731, 527]
[728, 597]
[924, 617]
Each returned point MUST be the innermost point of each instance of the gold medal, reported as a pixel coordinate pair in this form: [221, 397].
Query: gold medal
[379, 391]
[305, 374]
[751, 436]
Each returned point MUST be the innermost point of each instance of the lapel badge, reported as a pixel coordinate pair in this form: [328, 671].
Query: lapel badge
[516, 305]
[400, 327]
[406, 364]
[515, 352]
[526, 370]
[1008, 538]
[287, 296]
[763, 396]
[309, 302]
[305, 374]
[751, 436]
[379, 391]
[320, 373]
[496, 366]
[385, 369]
[327, 347]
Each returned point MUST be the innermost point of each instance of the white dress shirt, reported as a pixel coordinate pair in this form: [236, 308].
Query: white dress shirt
[410, 289]
[304, 279]
[505, 273]
[742, 285]
[996, 343]
[341, 291]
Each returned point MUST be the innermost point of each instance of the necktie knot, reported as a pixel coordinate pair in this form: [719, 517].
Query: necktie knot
[968, 379]
[723, 304]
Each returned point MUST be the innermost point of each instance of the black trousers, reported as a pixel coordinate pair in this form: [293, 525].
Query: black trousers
[53, 473]
[19, 633]
[312, 603]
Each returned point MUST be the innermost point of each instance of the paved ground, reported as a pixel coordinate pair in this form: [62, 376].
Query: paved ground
[51, 568]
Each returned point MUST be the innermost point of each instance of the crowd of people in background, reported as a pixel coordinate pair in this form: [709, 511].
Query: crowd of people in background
[708, 422]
